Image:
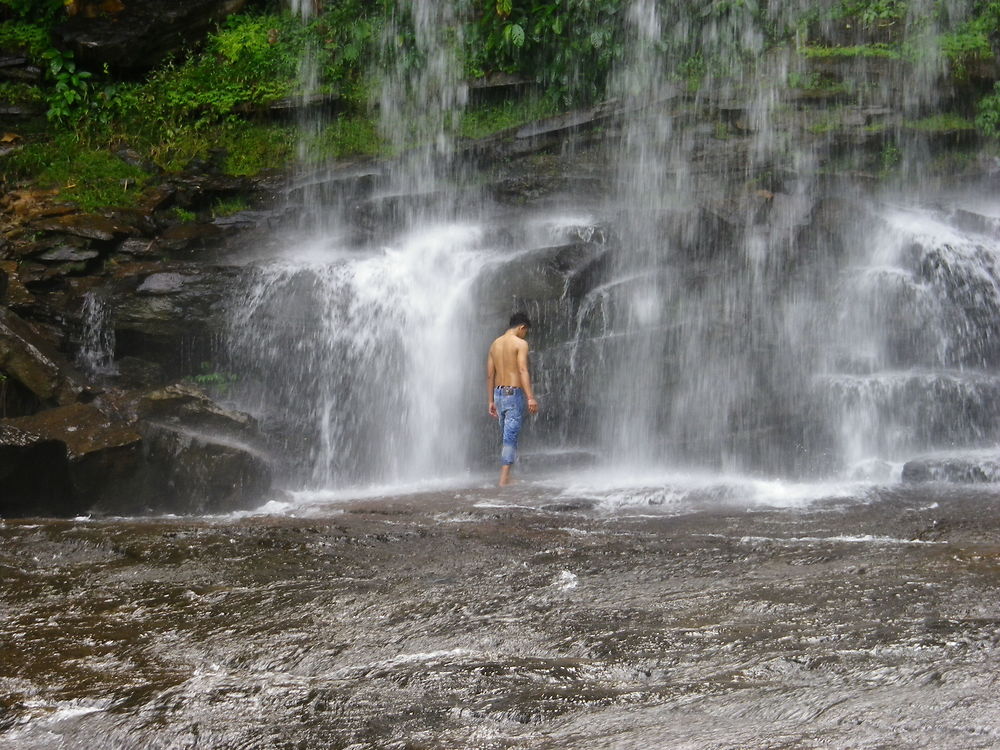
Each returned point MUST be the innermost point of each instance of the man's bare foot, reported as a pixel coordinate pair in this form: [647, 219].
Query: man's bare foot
[505, 475]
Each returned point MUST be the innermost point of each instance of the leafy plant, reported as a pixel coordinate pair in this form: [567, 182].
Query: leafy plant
[988, 115]
[215, 381]
[30, 38]
[229, 206]
[40, 12]
[72, 86]
[972, 41]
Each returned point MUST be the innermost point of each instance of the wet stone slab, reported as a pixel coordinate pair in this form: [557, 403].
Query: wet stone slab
[488, 620]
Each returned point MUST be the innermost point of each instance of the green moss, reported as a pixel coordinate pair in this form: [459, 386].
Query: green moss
[229, 206]
[20, 93]
[943, 122]
[29, 38]
[885, 51]
[91, 177]
[482, 121]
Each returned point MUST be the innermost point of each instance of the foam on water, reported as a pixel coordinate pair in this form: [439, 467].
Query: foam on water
[689, 492]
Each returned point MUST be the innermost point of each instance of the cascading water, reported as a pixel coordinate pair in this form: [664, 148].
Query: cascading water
[358, 346]
[96, 353]
[731, 305]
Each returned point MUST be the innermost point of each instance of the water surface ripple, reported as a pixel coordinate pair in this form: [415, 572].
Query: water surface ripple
[473, 618]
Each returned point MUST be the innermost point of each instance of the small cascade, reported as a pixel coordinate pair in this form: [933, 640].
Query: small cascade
[356, 342]
[96, 353]
[912, 350]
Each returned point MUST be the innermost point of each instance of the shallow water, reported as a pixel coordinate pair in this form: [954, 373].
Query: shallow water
[685, 614]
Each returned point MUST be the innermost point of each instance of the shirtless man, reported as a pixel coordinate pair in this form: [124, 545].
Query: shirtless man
[510, 387]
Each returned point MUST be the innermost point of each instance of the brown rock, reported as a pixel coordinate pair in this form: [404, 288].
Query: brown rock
[91, 226]
[104, 452]
[28, 358]
[34, 475]
[13, 292]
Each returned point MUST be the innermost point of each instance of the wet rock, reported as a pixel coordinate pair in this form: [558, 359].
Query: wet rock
[138, 247]
[142, 33]
[90, 226]
[27, 357]
[13, 292]
[134, 372]
[68, 253]
[185, 405]
[196, 472]
[134, 159]
[187, 236]
[104, 452]
[34, 475]
[21, 73]
[172, 313]
[974, 222]
[198, 457]
[166, 283]
[965, 469]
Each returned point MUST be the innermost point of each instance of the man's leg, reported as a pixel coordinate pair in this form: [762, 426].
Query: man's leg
[510, 423]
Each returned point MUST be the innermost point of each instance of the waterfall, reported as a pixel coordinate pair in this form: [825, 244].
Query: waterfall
[741, 295]
[356, 339]
[96, 353]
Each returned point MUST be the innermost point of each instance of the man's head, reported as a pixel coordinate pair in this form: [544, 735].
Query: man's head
[520, 323]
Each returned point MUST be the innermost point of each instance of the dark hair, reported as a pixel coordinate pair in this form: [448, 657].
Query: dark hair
[519, 319]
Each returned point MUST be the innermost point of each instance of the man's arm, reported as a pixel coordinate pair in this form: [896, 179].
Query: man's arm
[522, 368]
[491, 372]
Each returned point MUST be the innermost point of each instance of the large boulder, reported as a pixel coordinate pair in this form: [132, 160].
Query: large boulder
[157, 316]
[102, 452]
[29, 359]
[34, 475]
[198, 457]
[970, 468]
[136, 36]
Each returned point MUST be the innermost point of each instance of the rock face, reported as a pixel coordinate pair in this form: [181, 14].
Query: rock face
[965, 469]
[102, 453]
[198, 457]
[172, 450]
[30, 360]
[34, 474]
[141, 33]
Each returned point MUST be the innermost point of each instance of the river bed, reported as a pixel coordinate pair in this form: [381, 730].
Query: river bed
[531, 617]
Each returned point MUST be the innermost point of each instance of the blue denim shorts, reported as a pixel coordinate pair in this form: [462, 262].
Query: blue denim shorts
[511, 405]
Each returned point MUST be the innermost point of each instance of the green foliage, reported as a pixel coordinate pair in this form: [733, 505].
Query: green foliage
[988, 113]
[943, 122]
[480, 122]
[89, 176]
[29, 38]
[972, 41]
[889, 158]
[216, 382]
[344, 136]
[184, 215]
[569, 47]
[71, 92]
[20, 93]
[229, 206]
[38, 12]
[886, 51]
[872, 13]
